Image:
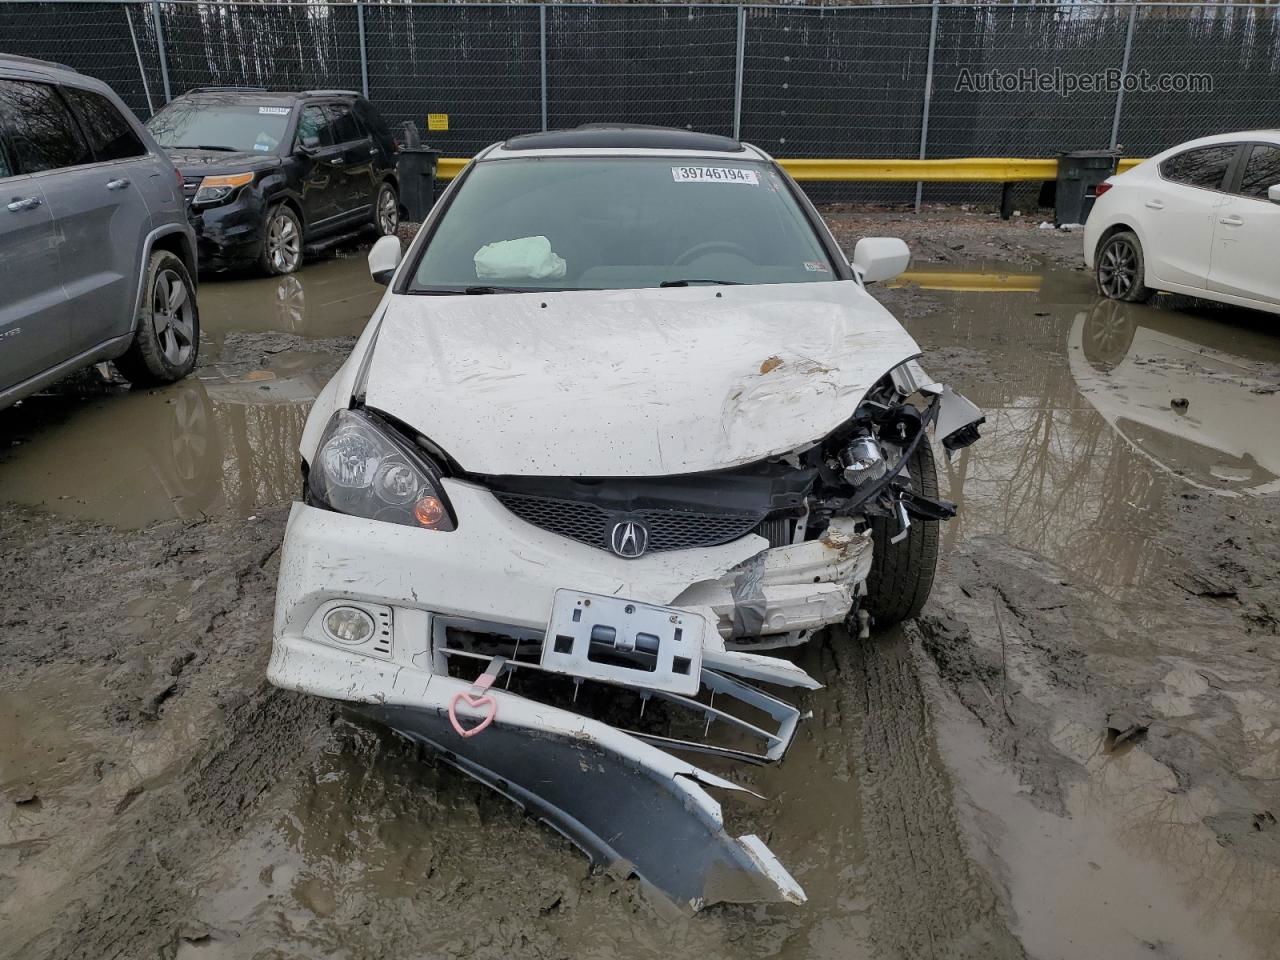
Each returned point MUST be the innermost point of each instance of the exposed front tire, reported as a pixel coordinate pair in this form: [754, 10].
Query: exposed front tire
[386, 211]
[281, 241]
[1120, 268]
[901, 576]
[167, 341]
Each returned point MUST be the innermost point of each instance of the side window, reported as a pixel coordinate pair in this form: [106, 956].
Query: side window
[346, 127]
[1202, 167]
[1262, 171]
[42, 133]
[110, 134]
[5, 169]
[313, 128]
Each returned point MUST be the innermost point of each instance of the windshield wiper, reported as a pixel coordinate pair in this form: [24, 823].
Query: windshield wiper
[689, 283]
[204, 146]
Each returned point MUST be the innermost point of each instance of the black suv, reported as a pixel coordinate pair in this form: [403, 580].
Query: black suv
[266, 174]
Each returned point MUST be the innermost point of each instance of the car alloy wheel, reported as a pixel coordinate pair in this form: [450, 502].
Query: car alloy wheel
[388, 211]
[172, 316]
[284, 244]
[1118, 268]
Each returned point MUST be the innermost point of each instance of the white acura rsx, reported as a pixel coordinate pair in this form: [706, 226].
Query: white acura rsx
[625, 419]
[1201, 219]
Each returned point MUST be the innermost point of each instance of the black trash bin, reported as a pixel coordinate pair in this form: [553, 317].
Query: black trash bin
[1079, 173]
[416, 169]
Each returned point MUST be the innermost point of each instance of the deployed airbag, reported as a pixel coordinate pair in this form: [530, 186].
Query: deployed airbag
[528, 258]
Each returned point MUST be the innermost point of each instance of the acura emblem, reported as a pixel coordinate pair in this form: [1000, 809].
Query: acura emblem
[629, 538]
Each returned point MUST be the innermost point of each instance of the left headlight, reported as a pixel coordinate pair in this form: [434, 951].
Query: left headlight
[363, 469]
[217, 189]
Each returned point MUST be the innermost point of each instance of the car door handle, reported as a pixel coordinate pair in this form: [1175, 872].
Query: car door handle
[118, 184]
[335, 162]
[1232, 221]
[1155, 204]
[373, 151]
[23, 203]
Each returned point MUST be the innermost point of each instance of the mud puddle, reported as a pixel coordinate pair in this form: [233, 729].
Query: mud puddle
[224, 441]
[1097, 412]
[1101, 645]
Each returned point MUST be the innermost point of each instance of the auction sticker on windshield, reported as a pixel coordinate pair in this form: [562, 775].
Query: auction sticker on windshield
[714, 175]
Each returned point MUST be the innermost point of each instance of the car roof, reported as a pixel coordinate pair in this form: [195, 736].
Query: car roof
[29, 68]
[623, 139]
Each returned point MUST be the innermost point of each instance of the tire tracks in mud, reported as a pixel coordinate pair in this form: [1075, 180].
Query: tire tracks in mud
[930, 898]
[196, 694]
[134, 900]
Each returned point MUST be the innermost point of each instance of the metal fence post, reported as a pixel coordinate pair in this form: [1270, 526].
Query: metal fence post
[364, 50]
[738, 70]
[1124, 70]
[137, 53]
[164, 61]
[928, 97]
[542, 55]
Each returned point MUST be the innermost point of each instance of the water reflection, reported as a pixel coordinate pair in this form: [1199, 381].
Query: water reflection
[329, 298]
[207, 445]
[1087, 435]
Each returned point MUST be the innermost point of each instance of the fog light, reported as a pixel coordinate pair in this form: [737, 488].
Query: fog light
[348, 625]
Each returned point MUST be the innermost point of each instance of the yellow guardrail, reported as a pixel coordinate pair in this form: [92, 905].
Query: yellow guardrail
[955, 170]
[968, 280]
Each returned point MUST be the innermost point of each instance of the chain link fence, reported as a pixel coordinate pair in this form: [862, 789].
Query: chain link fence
[936, 79]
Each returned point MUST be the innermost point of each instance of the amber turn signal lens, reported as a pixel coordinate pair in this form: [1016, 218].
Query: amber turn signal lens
[430, 513]
[231, 180]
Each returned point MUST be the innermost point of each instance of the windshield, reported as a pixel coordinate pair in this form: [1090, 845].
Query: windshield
[621, 222]
[210, 126]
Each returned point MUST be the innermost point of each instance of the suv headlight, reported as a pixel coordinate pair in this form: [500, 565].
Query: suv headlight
[217, 189]
[363, 469]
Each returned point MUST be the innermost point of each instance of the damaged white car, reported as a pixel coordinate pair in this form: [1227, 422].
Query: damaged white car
[625, 419]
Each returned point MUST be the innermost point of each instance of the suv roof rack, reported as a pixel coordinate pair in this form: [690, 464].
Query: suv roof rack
[36, 62]
[229, 88]
[332, 93]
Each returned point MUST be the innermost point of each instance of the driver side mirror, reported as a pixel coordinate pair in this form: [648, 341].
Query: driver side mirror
[1273, 193]
[384, 258]
[309, 144]
[880, 258]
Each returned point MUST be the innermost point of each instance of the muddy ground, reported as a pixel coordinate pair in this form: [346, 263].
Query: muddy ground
[1075, 752]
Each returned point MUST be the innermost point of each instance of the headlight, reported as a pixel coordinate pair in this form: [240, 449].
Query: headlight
[216, 189]
[364, 470]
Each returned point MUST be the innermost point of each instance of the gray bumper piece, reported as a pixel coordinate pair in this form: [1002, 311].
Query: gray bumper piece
[628, 818]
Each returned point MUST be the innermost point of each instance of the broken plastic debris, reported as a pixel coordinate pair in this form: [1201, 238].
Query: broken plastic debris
[528, 258]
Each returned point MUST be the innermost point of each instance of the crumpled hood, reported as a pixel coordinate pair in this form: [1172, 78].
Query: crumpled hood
[631, 382]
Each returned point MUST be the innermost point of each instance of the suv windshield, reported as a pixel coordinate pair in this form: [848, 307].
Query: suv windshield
[619, 222]
[220, 126]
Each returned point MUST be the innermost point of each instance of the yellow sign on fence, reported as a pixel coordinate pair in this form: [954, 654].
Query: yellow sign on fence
[437, 121]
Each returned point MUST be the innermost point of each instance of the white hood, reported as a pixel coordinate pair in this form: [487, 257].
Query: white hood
[631, 382]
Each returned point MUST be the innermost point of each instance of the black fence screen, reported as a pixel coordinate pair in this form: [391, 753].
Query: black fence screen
[874, 81]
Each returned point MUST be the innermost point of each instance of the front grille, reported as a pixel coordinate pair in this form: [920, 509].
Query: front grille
[190, 185]
[591, 524]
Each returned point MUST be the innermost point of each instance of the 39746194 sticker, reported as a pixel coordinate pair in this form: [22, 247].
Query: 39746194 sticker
[714, 175]
[274, 111]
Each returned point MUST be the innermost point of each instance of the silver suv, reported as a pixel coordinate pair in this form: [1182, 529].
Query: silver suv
[97, 259]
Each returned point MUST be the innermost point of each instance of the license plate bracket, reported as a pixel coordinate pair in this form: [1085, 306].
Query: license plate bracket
[624, 641]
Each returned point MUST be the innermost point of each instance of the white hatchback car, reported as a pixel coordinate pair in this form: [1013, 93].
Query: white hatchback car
[1201, 219]
[625, 418]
